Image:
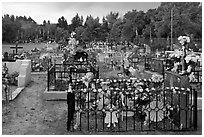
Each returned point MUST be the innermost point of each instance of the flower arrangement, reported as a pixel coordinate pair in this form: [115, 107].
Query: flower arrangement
[184, 60]
[87, 78]
[176, 54]
[12, 79]
[183, 39]
[192, 58]
[157, 78]
[4, 71]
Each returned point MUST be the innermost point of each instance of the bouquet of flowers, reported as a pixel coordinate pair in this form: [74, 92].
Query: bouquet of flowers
[183, 40]
[87, 78]
[157, 80]
[192, 59]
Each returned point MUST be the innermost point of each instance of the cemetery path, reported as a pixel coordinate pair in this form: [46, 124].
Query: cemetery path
[30, 114]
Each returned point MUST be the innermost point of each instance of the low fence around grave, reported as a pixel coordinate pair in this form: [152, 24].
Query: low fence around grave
[60, 75]
[160, 65]
[129, 108]
[151, 64]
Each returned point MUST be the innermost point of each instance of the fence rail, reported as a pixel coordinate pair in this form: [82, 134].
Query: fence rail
[60, 75]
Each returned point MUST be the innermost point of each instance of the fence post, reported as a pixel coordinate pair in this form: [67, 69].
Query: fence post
[70, 75]
[48, 78]
[195, 125]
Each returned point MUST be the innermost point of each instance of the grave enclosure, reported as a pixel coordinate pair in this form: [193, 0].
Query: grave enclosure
[165, 109]
[23, 67]
[60, 75]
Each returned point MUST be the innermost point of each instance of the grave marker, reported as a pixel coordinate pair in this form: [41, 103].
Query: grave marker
[16, 48]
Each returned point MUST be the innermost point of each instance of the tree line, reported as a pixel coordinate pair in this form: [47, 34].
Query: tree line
[155, 23]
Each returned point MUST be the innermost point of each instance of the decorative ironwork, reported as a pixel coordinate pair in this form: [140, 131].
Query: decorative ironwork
[60, 75]
[120, 105]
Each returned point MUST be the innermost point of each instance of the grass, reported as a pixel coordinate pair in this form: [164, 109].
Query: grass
[26, 47]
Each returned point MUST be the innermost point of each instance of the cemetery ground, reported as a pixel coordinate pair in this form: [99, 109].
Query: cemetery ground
[30, 114]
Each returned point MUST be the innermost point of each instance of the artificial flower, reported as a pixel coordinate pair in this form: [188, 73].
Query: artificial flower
[183, 39]
[191, 77]
[157, 78]
[189, 68]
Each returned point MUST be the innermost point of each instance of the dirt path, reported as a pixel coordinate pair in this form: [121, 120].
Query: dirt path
[30, 114]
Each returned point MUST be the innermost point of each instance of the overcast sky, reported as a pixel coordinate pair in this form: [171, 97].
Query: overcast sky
[52, 11]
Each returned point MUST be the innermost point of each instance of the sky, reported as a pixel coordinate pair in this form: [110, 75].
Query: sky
[52, 11]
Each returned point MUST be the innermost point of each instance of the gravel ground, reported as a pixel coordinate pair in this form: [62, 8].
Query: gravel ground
[31, 115]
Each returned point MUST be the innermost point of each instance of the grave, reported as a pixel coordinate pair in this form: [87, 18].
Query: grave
[59, 75]
[23, 67]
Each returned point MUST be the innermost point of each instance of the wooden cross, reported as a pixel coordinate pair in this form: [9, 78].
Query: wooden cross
[16, 47]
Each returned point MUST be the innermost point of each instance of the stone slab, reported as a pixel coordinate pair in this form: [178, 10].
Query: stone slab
[55, 95]
[16, 93]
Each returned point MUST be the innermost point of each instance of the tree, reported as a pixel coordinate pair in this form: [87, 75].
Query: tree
[115, 33]
[92, 28]
[112, 18]
[186, 19]
[59, 34]
[44, 23]
[127, 32]
[104, 30]
[79, 31]
[137, 18]
[62, 23]
[76, 22]
[10, 28]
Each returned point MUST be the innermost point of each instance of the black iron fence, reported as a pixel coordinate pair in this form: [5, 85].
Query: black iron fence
[133, 105]
[60, 75]
[152, 64]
